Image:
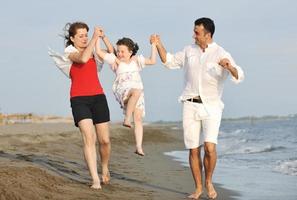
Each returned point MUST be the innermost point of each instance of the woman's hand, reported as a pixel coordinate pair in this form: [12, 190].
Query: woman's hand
[98, 32]
[102, 33]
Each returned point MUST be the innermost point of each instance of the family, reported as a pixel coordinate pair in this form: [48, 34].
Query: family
[206, 66]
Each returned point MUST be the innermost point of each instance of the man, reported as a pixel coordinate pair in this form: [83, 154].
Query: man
[206, 66]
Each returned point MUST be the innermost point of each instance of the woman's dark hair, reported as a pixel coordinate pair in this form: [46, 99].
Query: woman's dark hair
[207, 23]
[70, 31]
[132, 46]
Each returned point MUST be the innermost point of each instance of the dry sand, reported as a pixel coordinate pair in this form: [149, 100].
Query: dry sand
[45, 161]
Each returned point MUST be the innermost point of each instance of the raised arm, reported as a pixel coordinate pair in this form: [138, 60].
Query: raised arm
[84, 56]
[101, 53]
[161, 50]
[171, 61]
[152, 59]
[107, 43]
[109, 58]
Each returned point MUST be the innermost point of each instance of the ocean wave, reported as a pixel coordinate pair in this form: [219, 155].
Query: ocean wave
[237, 131]
[180, 156]
[261, 118]
[288, 167]
[266, 149]
[255, 149]
[232, 134]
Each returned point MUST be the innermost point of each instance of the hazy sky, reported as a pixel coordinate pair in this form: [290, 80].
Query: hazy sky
[260, 35]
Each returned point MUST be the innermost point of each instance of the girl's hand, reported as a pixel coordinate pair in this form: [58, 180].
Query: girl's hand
[154, 39]
[97, 32]
[102, 34]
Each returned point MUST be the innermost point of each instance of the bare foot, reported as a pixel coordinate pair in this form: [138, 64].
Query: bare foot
[211, 193]
[195, 195]
[139, 152]
[106, 178]
[127, 123]
[96, 185]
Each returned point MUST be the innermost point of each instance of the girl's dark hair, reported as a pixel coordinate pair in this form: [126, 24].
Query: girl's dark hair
[132, 46]
[70, 31]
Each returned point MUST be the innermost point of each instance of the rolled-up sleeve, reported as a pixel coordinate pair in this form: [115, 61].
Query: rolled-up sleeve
[240, 75]
[175, 61]
[238, 68]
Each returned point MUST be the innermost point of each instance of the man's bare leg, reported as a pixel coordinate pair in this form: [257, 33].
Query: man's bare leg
[210, 159]
[102, 131]
[196, 168]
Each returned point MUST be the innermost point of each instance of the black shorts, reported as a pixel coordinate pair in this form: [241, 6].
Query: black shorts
[90, 107]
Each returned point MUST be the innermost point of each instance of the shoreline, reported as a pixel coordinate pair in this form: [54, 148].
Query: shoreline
[45, 161]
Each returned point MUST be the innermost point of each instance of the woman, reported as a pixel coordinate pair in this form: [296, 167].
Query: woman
[88, 101]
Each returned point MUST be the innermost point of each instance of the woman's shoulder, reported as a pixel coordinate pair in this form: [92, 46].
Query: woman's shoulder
[70, 49]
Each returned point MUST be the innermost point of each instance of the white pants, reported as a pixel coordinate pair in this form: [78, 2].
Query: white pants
[200, 125]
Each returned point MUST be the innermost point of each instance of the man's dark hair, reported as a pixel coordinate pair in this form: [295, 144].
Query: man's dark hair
[207, 23]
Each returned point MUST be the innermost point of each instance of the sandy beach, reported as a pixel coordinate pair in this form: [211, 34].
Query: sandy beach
[45, 161]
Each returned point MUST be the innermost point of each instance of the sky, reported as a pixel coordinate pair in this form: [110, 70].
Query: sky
[260, 35]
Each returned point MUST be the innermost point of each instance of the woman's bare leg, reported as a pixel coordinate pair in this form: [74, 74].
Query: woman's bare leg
[89, 147]
[102, 131]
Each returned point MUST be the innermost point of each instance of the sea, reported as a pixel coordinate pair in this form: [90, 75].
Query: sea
[257, 157]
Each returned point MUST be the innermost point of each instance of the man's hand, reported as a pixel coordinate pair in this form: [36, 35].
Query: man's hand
[225, 63]
[156, 40]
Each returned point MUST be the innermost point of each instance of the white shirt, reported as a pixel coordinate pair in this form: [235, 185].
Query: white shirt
[64, 63]
[202, 74]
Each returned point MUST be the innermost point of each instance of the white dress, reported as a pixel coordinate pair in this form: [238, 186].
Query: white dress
[127, 78]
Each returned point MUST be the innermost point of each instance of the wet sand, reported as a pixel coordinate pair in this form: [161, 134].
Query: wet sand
[45, 161]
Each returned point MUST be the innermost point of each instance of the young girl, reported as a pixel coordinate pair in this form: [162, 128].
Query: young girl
[128, 87]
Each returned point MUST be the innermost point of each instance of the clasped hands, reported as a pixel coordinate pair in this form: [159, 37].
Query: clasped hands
[99, 32]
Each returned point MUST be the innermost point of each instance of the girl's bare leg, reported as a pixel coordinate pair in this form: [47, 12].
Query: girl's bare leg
[132, 99]
[138, 131]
